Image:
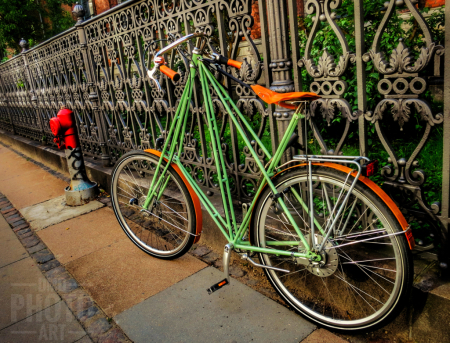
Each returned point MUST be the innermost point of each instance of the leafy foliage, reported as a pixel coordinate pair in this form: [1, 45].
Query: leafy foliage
[403, 142]
[35, 20]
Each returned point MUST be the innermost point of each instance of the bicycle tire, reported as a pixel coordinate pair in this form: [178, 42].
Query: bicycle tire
[167, 230]
[330, 303]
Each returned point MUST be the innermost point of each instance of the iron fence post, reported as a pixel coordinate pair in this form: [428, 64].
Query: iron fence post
[295, 52]
[265, 42]
[281, 63]
[93, 93]
[446, 139]
[361, 76]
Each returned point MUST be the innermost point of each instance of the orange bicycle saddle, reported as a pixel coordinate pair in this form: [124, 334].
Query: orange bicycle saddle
[281, 99]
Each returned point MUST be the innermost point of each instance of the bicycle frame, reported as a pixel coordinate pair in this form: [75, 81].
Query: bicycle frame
[228, 225]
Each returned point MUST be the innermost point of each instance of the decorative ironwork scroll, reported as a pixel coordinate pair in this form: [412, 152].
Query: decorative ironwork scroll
[327, 74]
[401, 85]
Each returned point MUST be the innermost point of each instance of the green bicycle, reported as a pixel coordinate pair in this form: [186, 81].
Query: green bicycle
[330, 241]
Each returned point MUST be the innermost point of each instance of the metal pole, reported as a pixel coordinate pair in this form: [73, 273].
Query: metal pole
[361, 76]
[446, 141]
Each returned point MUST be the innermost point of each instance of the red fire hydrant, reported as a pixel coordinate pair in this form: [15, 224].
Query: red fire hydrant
[81, 189]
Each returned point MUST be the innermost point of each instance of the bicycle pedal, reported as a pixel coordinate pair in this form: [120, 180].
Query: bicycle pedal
[217, 286]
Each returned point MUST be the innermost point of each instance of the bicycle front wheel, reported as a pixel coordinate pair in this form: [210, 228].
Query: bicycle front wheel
[167, 229]
[367, 271]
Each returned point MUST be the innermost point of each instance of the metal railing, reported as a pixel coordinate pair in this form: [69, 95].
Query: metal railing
[98, 70]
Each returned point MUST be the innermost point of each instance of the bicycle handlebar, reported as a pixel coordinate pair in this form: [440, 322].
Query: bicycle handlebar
[159, 61]
[178, 42]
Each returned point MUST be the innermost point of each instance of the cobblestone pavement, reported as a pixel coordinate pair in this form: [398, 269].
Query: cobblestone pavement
[82, 280]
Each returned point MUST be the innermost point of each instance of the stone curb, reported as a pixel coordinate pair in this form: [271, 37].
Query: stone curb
[98, 326]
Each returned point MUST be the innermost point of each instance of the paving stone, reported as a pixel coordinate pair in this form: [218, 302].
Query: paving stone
[6, 209]
[20, 227]
[85, 339]
[49, 265]
[36, 248]
[13, 220]
[11, 250]
[23, 291]
[43, 256]
[235, 313]
[22, 232]
[323, 336]
[105, 201]
[54, 324]
[55, 211]
[82, 235]
[10, 214]
[236, 271]
[31, 241]
[76, 294]
[88, 313]
[201, 251]
[128, 212]
[61, 280]
[112, 336]
[26, 234]
[17, 223]
[252, 282]
[211, 257]
[80, 303]
[98, 327]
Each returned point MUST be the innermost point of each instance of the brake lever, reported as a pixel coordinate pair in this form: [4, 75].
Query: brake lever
[150, 73]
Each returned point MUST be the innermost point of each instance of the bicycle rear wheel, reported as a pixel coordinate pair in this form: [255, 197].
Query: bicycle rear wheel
[367, 273]
[167, 229]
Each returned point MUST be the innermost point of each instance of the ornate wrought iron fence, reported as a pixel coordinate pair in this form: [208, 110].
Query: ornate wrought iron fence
[98, 70]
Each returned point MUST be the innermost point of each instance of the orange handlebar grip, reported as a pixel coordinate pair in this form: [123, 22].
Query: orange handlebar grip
[233, 63]
[170, 73]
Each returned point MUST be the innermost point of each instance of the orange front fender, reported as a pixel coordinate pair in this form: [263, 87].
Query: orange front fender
[195, 199]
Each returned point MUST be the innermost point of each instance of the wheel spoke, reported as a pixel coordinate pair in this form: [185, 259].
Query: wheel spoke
[358, 277]
[163, 230]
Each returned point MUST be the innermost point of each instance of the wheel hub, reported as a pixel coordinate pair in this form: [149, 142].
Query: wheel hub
[329, 262]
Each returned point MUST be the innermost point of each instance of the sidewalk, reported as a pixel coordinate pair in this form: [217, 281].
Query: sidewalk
[72, 275]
